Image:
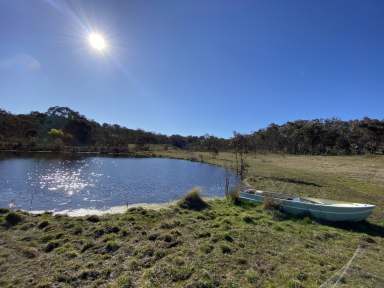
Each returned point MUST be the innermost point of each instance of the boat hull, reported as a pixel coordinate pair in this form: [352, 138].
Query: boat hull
[321, 212]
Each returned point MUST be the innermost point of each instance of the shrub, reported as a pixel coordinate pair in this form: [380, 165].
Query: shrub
[13, 218]
[56, 133]
[192, 200]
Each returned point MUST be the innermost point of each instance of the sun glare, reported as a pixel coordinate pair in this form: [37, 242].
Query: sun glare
[97, 42]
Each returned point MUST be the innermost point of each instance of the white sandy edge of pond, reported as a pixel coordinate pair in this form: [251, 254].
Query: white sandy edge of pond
[113, 210]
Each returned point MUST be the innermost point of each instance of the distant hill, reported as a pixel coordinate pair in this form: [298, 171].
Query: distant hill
[61, 128]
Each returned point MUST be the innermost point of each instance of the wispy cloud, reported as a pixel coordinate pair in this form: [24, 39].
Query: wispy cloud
[20, 62]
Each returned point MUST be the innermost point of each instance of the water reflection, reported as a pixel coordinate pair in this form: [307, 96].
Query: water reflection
[64, 179]
[48, 183]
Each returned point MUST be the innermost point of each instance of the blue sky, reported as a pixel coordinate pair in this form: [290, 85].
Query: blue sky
[195, 66]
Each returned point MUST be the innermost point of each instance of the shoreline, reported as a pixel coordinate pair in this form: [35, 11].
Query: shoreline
[82, 212]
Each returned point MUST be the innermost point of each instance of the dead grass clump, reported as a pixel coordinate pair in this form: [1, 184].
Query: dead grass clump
[192, 200]
[270, 204]
[29, 252]
[233, 195]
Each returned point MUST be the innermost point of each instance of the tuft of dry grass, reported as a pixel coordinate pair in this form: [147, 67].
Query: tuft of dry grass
[233, 195]
[271, 204]
[192, 200]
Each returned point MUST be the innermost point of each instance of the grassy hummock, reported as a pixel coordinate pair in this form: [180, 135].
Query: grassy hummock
[192, 200]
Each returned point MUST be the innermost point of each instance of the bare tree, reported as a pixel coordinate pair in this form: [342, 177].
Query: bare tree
[240, 149]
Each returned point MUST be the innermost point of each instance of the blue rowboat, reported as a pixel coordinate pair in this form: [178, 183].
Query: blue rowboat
[322, 209]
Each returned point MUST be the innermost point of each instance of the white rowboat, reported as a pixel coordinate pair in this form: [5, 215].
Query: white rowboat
[323, 209]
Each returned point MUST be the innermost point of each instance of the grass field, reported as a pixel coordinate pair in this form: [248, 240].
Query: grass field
[224, 245]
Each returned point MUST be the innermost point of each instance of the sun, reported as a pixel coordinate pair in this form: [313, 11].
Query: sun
[97, 42]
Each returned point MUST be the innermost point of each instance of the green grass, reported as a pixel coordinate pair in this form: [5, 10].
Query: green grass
[223, 245]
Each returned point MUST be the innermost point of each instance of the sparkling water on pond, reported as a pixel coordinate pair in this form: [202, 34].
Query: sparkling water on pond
[55, 183]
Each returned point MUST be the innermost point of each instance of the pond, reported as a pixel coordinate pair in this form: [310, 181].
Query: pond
[60, 183]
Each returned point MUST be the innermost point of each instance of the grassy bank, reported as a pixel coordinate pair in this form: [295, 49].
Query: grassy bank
[349, 178]
[222, 245]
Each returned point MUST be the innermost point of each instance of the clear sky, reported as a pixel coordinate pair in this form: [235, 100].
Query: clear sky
[195, 66]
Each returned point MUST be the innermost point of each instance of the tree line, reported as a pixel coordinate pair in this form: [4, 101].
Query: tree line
[321, 136]
[62, 128]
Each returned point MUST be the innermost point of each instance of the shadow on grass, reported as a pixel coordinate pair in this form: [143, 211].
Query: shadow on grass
[291, 180]
[366, 227]
[294, 181]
